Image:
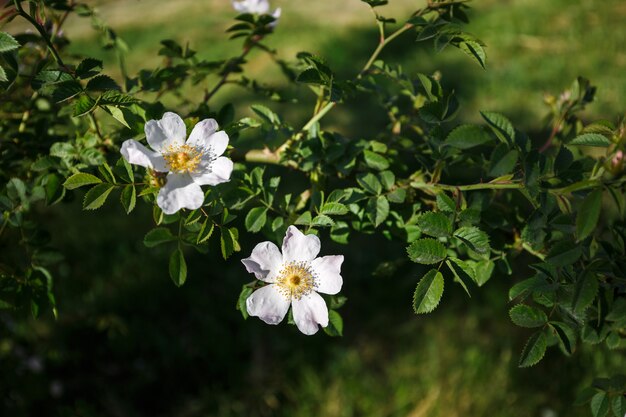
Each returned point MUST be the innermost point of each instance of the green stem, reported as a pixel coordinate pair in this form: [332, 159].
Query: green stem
[384, 42]
[42, 32]
[470, 187]
[265, 156]
[5, 220]
[533, 252]
[96, 126]
[317, 117]
[246, 49]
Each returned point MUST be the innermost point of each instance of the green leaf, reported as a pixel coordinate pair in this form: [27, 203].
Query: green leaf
[193, 217]
[591, 139]
[80, 179]
[322, 220]
[335, 324]
[336, 301]
[475, 50]
[484, 271]
[589, 335]
[526, 316]
[158, 236]
[277, 223]
[618, 310]
[125, 115]
[375, 3]
[618, 405]
[505, 164]
[106, 173]
[600, 404]
[334, 209]
[585, 396]
[88, 67]
[114, 97]
[312, 76]
[370, 183]
[463, 268]
[52, 186]
[241, 301]
[83, 105]
[435, 224]
[534, 350]
[96, 196]
[266, 114]
[501, 126]
[206, 230]
[102, 83]
[46, 77]
[426, 251]
[128, 198]
[377, 209]
[462, 271]
[178, 267]
[473, 238]
[467, 136]
[17, 188]
[585, 291]
[65, 90]
[340, 232]
[397, 196]
[566, 336]
[3, 75]
[428, 292]
[7, 42]
[304, 219]
[588, 215]
[445, 203]
[256, 218]
[228, 242]
[375, 161]
[388, 179]
[564, 253]
[124, 170]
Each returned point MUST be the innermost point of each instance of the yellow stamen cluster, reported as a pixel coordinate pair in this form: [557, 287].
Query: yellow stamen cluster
[296, 279]
[182, 158]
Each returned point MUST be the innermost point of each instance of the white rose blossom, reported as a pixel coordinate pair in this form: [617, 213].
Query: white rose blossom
[256, 7]
[188, 164]
[294, 279]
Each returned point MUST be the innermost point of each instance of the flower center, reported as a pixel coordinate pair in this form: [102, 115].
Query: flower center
[296, 279]
[182, 158]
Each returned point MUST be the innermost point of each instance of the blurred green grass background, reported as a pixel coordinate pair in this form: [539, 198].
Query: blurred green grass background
[533, 46]
[128, 343]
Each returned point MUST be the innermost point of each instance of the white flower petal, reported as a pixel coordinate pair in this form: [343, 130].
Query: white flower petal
[262, 6]
[268, 304]
[252, 6]
[308, 312]
[169, 131]
[137, 154]
[328, 271]
[213, 172]
[201, 133]
[179, 192]
[218, 142]
[264, 262]
[300, 247]
[240, 6]
[275, 15]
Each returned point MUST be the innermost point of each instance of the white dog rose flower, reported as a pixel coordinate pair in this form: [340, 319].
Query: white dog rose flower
[188, 164]
[294, 279]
